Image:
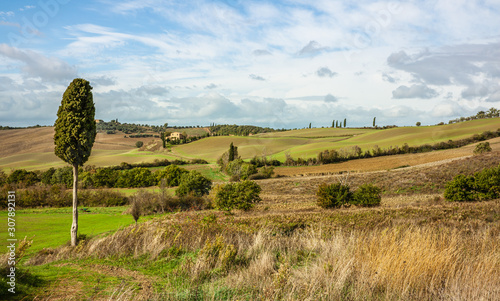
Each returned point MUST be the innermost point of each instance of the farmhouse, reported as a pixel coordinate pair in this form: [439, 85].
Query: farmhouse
[176, 135]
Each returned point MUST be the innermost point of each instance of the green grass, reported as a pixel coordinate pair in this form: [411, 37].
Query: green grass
[50, 228]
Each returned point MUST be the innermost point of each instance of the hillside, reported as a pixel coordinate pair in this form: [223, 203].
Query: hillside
[33, 148]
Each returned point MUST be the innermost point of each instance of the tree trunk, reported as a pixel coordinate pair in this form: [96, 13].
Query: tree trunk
[74, 226]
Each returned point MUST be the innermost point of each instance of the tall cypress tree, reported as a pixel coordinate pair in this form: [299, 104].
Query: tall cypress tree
[75, 131]
[231, 153]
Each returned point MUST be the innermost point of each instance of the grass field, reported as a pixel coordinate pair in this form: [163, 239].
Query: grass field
[49, 228]
[32, 148]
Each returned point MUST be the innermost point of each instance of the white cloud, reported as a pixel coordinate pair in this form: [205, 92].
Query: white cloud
[414, 91]
[256, 77]
[325, 72]
[38, 65]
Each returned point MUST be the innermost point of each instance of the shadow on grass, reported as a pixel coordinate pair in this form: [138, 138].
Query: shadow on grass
[25, 284]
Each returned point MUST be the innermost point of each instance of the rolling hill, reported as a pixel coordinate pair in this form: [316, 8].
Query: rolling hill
[33, 148]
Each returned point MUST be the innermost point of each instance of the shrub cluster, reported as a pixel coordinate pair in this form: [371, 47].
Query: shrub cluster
[483, 185]
[92, 177]
[242, 195]
[336, 195]
[42, 195]
[482, 148]
[238, 130]
[193, 183]
[148, 203]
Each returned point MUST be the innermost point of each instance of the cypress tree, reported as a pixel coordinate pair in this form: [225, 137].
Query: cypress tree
[75, 131]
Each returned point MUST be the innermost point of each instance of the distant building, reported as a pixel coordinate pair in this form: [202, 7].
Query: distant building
[176, 135]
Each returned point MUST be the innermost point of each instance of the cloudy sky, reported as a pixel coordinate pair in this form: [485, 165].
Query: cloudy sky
[269, 63]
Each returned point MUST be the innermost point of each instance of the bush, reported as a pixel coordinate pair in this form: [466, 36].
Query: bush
[103, 198]
[460, 189]
[482, 148]
[172, 175]
[193, 183]
[240, 169]
[22, 176]
[237, 196]
[484, 185]
[367, 195]
[136, 177]
[139, 144]
[487, 184]
[149, 203]
[333, 195]
[63, 175]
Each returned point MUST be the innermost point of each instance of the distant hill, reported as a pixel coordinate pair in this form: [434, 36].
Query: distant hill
[32, 148]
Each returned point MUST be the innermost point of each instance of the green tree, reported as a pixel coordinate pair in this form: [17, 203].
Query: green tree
[374, 119]
[75, 131]
[231, 152]
[419, 123]
[345, 122]
[193, 183]
[241, 195]
[310, 125]
[139, 144]
[333, 123]
[171, 175]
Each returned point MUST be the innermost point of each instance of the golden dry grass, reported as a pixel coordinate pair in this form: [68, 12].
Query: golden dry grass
[269, 259]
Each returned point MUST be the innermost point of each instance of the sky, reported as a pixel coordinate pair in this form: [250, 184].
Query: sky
[281, 64]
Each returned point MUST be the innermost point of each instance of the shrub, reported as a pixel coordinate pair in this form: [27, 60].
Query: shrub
[333, 195]
[63, 175]
[22, 176]
[240, 169]
[367, 195]
[104, 177]
[482, 147]
[487, 183]
[136, 177]
[172, 175]
[193, 183]
[484, 185]
[139, 144]
[152, 203]
[104, 198]
[237, 195]
[460, 189]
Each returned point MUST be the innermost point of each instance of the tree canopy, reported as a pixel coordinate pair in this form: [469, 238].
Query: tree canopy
[75, 127]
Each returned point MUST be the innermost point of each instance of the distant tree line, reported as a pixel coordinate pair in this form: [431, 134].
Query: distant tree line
[491, 113]
[94, 177]
[239, 130]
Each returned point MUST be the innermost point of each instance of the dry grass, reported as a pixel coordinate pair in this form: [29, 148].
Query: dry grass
[415, 246]
[442, 251]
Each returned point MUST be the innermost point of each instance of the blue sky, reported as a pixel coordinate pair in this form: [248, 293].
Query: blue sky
[269, 63]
